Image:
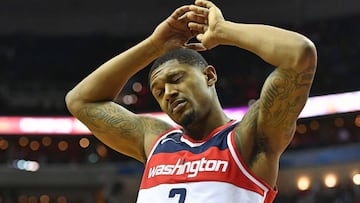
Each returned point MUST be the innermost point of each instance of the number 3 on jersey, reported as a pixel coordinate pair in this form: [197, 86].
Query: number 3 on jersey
[180, 191]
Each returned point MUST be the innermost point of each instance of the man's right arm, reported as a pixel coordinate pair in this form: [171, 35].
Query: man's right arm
[91, 101]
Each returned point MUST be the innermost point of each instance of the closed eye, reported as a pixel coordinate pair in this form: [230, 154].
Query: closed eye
[177, 78]
[159, 92]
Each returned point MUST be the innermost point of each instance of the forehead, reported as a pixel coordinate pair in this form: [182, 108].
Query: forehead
[169, 68]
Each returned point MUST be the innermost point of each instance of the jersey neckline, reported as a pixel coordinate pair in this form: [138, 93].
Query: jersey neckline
[209, 136]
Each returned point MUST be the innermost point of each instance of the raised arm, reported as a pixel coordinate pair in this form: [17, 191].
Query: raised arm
[285, 91]
[91, 101]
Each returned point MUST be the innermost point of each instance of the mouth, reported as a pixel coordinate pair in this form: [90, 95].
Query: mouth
[177, 105]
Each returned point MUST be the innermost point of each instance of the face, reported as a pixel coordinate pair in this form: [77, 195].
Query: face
[181, 91]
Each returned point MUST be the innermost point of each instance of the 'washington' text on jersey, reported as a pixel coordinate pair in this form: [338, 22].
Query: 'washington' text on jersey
[191, 168]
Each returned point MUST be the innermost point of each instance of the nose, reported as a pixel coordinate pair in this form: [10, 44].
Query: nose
[170, 91]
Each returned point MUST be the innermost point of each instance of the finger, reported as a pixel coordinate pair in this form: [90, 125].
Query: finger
[179, 12]
[204, 3]
[199, 10]
[200, 28]
[194, 17]
[196, 46]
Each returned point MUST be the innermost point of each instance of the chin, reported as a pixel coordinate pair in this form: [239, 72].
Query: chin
[187, 119]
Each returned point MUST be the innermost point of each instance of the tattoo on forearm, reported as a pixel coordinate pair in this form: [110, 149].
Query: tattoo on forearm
[108, 118]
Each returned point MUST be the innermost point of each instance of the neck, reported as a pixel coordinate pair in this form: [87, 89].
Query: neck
[203, 127]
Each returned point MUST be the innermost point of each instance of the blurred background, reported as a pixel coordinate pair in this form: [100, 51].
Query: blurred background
[46, 47]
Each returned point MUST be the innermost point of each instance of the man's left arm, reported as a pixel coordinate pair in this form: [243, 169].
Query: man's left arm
[286, 90]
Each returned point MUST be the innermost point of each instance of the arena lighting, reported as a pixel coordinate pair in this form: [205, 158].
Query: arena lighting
[316, 106]
[303, 183]
[26, 165]
[330, 180]
[356, 179]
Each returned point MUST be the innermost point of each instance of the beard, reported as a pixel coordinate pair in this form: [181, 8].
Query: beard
[188, 119]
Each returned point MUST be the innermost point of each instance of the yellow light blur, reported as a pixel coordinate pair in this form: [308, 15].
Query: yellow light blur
[357, 121]
[314, 125]
[356, 179]
[303, 183]
[330, 180]
[23, 141]
[101, 150]
[339, 122]
[4, 144]
[63, 145]
[46, 141]
[301, 129]
[34, 145]
[84, 142]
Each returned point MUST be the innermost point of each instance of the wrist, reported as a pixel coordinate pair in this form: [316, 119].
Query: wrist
[154, 46]
[222, 31]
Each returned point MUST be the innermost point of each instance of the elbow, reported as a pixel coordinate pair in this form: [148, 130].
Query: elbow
[71, 102]
[307, 55]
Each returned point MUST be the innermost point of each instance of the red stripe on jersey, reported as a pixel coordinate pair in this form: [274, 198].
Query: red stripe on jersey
[232, 137]
[272, 192]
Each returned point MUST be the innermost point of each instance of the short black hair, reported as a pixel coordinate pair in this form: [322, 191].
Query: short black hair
[183, 55]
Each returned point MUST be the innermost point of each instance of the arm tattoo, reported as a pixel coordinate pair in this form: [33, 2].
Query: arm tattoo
[109, 119]
[285, 93]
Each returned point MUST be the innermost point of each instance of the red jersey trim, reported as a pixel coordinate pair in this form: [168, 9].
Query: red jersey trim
[270, 192]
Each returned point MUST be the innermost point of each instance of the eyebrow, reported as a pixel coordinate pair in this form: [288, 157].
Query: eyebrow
[167, 76]
[152, 85]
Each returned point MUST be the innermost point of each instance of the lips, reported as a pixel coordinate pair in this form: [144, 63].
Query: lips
[177, 105]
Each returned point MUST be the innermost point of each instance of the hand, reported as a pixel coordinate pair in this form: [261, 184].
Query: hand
[174, 31]
[208, 35]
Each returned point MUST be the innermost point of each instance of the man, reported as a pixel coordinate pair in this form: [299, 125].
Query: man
[211, 158]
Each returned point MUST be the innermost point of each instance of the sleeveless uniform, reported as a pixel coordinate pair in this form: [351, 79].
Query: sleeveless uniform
[182, 170]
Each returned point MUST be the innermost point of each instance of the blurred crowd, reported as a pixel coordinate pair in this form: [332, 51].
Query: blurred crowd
[341, 194]
[37, 71]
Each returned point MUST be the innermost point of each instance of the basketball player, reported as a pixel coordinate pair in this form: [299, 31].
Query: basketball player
[211, 158]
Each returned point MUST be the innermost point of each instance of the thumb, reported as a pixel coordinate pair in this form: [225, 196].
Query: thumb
[199, 37]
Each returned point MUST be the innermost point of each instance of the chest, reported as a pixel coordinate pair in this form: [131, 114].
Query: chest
[177, 160]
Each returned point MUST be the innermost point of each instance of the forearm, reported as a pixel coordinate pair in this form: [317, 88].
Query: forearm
[279, 47]
[106, 81]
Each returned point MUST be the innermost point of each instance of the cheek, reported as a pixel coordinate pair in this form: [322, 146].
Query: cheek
[163, 105]
[201, 92]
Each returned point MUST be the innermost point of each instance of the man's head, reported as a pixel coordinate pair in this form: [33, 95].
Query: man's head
[184, 85]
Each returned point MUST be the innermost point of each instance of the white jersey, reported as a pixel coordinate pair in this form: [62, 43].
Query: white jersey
[182, 170]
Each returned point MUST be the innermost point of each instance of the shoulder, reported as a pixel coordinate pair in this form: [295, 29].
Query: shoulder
[153, 129]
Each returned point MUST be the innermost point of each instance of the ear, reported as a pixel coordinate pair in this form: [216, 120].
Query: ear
[211, 76]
